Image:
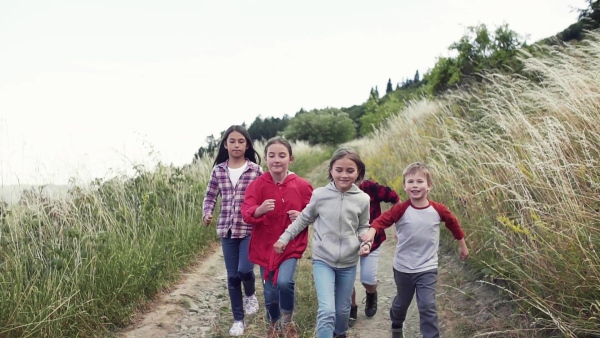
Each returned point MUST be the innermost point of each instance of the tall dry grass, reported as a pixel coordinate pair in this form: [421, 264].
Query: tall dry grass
[79, 266]
[517, 160]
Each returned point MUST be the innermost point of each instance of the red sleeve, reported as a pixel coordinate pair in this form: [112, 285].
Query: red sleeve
[386, 194]
[307, 191]
[251, 203]
[449, 220]
[390, 217]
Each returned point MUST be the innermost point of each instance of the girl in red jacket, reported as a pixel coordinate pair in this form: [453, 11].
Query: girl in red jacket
[271, 203]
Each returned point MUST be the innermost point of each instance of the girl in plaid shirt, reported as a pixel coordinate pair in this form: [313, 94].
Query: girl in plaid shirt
[236, 165]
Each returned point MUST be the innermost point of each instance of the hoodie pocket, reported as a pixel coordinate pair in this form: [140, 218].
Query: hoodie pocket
[336, 250]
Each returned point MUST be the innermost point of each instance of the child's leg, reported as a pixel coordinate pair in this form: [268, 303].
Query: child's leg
[344, 283]
[230, 248]
[287, 295]
[324, 276]
[425, 285]
[271, 297]
[286, 287]
[246, 267]
[405, 290]
[368, 277]
[368, 270]
[353, 309]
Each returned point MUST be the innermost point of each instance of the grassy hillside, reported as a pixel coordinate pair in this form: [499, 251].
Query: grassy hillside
[517, 160]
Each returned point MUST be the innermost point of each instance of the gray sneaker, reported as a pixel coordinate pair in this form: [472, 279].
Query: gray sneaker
[250, 304]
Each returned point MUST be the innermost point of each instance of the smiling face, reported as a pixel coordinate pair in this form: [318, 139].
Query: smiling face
[344, 172]
[416, 187]
[236, 145]
[278, 159]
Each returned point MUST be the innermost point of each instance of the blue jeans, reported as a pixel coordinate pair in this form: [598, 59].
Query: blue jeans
[423, 283]
[334, 292]
[281, 297]
[239, 271]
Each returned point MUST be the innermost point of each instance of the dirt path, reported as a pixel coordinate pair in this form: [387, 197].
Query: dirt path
[380, 324]
[192, 308]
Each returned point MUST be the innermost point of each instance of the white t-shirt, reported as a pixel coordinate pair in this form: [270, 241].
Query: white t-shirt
[235, 174]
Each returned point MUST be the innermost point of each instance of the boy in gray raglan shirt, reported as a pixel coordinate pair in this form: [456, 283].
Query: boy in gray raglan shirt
[417, 223]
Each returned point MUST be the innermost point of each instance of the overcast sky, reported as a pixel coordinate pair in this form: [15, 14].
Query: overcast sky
[90, 88]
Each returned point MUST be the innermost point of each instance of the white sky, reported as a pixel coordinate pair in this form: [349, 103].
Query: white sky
[89, 88]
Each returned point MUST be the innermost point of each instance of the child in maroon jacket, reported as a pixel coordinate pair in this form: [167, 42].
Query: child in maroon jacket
[368, 264]
[271, 203]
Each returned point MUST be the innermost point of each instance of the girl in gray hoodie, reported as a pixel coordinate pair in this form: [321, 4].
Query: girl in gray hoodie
[340, 213]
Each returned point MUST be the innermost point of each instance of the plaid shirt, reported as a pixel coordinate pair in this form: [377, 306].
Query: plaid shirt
[230, 217]
[378, 193]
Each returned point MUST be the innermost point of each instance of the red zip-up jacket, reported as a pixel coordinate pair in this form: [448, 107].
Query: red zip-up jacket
[293, 194]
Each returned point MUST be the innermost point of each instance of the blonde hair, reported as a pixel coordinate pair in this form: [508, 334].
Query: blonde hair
[417, 168]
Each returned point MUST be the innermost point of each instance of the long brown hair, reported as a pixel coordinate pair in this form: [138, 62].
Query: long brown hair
[223, 154]
[352, 155]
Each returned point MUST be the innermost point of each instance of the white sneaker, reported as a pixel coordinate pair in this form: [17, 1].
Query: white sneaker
[251, 304]
[237, 329]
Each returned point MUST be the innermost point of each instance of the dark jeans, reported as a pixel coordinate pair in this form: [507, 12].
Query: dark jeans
[239, 271]
[423, 283]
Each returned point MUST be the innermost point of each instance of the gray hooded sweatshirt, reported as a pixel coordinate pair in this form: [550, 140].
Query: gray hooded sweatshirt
[339, 219]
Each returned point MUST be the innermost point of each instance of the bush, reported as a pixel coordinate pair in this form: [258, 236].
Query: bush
[328, 126]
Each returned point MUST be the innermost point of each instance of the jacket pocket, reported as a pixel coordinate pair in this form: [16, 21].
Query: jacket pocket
[336, 250]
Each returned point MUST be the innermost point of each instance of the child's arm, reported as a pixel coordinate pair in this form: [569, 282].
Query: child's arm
[210, 199]
[363, 217]
[363, 227]
[463, 251]
[453, 225]
[305, 192]
[386, 220]
[386, 194]
[308, 215]
[252, 208]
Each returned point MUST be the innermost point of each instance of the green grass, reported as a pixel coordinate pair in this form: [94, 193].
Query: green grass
[79, 266]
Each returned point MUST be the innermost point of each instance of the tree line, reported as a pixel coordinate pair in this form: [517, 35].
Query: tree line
[478, 51]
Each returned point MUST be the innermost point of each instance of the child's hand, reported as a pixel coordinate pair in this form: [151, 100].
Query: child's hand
[463, 251]
[207, 219]
[266, 206]
[368, 236]
[279, 247]
[293, 214]
[365, 249]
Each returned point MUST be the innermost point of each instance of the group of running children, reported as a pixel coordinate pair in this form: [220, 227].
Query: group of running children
[264, 219]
